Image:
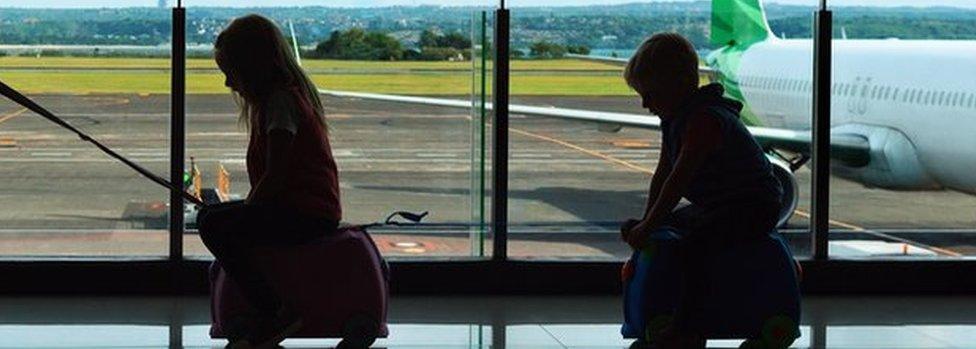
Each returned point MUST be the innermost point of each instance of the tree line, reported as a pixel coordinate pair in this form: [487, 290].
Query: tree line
[360, 44]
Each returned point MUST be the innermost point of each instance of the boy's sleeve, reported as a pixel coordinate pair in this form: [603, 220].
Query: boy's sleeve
[282, 113]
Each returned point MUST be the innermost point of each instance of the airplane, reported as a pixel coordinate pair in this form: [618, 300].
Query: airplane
[903, 111]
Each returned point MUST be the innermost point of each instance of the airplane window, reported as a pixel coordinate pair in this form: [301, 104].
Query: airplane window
[928, 97]
[942, 98]
[864, 91]
[972, 100]
[894, 96]
[874, 92]
[955, 98]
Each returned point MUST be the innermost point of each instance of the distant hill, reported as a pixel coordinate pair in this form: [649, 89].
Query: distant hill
[603, 26]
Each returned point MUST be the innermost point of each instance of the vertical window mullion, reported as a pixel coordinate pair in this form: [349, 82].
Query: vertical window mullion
[177, 132]
[820, 186]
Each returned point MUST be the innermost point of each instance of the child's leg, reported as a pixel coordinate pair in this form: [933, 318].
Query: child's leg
[222, 232]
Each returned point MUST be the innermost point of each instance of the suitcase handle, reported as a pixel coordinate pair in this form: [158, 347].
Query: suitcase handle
[412, 218]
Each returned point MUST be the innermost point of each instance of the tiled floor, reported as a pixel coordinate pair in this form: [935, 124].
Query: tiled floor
[477, 322]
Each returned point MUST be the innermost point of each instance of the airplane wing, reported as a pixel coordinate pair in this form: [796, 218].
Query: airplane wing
[709, 72]
[854, 150]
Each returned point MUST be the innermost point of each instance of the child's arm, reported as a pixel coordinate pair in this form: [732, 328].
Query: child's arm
[661, 174]
[657, 181]
[700, 137]
[272, 185]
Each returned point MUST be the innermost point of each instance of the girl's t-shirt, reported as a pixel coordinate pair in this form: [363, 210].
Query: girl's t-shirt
[312, 175]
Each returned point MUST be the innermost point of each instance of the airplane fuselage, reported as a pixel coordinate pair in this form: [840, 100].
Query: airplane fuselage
[921, 90]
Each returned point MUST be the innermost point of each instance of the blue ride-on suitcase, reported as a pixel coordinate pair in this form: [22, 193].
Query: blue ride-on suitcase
[752, 291]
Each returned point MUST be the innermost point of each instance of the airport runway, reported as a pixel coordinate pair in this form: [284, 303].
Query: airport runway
[569, 180]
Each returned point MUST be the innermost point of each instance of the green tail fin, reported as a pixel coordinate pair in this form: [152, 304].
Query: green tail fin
[738, 22]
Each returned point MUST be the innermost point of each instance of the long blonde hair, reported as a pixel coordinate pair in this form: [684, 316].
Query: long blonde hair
[254, 50]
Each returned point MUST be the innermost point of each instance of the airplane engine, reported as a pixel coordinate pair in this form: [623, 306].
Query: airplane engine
[893, 160]
[791, 191]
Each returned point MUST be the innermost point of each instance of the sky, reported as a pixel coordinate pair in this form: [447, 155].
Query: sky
[512, 3]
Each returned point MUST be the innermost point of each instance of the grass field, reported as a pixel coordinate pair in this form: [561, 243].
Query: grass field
[67, 75]
[311, 64]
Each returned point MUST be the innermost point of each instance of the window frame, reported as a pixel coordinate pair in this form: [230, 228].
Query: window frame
[176, 274]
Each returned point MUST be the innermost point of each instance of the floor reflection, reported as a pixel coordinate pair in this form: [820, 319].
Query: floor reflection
[475, 322]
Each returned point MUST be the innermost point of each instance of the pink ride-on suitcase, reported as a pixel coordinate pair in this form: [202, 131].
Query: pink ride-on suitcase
[339, 283]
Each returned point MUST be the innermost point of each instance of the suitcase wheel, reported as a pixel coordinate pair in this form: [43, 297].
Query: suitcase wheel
[359, 333]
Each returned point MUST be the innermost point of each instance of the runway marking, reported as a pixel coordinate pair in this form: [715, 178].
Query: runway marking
[343, 152]
[532, 155]
[798, 212]
[12, 115]
[112, 101]
[148, 154]
[57, 154]
[600, 155]
[436, 155]
[860, 229]
[217, 134]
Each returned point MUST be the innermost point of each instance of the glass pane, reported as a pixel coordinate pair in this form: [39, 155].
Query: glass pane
[391, 155]
[575, 181]
[106, 72]
[906, 93]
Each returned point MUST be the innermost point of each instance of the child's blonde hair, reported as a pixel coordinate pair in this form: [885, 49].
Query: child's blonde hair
[663, 58]
[256, 52]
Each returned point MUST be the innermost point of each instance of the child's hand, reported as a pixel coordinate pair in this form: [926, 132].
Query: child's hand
[636, 235]
[626, 227]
